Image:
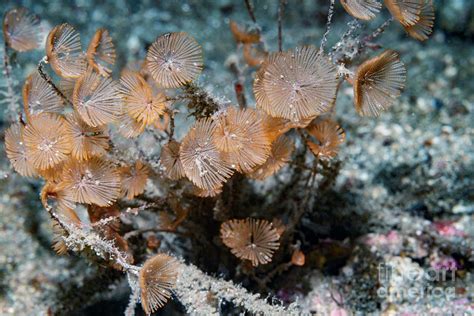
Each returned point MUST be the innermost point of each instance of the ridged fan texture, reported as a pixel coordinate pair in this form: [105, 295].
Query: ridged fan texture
[328, 135]
[21, 30]
[174, 59]
[203, 163]
[138, 98]
[280, 154]
[241, 134]
[423, 28]
[251, 239]
[94, 181]
[87, 141]
[378, 82]
[407, 12]
[97, 99]
[171, 164]
[101, 52]
[47, 140]
[157, 278]
[64, 51]
[16, 151]
[362, 9]
[298, 84]
[40, 97]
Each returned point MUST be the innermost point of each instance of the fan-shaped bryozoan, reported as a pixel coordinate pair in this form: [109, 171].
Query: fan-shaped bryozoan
[328, 135]
[251, 239]
[362, 9]
[280, 154]
[97, 99]
[101, 52]
[241, 134]
[407, 12]
[21, 30]
[16, 151]
[47, 140]
[39, 96]
[157, 278]
[297, 84]
[174, 59]
[134, 179]
[171, 164]
[378, 82]
[64, 51]
[61, 202]
[94, 181]
[138, 98]
[203, 163]
[263, 102]
[87, 141]
[422, 29]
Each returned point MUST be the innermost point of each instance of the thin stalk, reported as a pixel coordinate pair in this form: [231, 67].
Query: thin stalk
[280, 29]
[377, 32]
[49, 81]
[12, 101]
[171, 132]
[328, 27]
[249, 7]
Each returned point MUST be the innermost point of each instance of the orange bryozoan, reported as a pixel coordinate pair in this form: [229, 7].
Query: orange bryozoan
[423, 28]
[250, 239]
[174, 59]
[139, 101]
[87, 141]
[297, 84]
[47, 140]
[242, 136]
[378, 82]
[21, 30]
[39, 96]
[97, 99]
[157, 278]
[101, 52]
[203, 163]
[416, 16]
[280, 154]
[64, 51]
[16, 151]
[362, 9]
[171, 164]
[328, 135]
[134, 179]
[95, 181]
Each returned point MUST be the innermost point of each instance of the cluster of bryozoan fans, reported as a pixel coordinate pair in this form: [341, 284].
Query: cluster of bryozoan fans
[63, 133]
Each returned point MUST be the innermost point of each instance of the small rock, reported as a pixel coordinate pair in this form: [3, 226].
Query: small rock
[463, 209]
